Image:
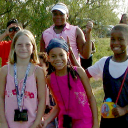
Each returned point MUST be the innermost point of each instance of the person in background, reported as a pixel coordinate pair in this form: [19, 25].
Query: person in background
[49, 99]
[12, 27]
[124, 19]
[61, 27]
[112, 70]
[75, 103]
[22, 85]
[85, 63]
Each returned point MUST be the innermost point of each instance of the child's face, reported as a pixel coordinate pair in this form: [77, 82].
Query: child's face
[118, 42]
[23, 47]
[58, 58]
[59, 18]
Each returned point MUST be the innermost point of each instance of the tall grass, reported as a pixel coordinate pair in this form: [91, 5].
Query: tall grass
[102, 49]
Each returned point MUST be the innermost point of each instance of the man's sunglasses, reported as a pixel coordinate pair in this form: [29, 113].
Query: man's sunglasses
[14, 29]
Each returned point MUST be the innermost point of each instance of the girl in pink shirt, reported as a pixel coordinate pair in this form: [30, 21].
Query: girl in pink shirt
[75, 103]
[22, 85]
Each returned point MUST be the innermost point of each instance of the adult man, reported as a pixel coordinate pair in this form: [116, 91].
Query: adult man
[12, 27]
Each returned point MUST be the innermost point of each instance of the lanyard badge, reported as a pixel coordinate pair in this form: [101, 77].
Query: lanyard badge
[20, 97]
[20, 114]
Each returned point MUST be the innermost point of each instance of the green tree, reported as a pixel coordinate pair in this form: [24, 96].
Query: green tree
[35, 15]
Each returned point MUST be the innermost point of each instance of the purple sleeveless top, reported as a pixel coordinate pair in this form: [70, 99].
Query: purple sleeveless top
[30, 100]
[73, 102]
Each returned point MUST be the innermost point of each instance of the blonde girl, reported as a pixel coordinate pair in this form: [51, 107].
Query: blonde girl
[22, 85]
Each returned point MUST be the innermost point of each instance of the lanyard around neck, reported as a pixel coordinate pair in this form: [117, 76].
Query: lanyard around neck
[61, 93]
[20, 97]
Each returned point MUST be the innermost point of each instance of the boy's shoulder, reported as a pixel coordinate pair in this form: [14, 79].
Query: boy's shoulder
[103, 59]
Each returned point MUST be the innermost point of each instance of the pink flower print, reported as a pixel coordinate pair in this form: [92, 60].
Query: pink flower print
[31, 95]
[81, 96]
[7, 93]
[28, 94]
[14, 92]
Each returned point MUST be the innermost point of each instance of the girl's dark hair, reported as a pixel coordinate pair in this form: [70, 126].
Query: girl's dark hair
[70, 70]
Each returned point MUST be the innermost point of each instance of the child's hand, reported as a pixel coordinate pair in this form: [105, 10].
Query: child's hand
[44, 124]
[68, 42]
[118, 111]
[89, 26]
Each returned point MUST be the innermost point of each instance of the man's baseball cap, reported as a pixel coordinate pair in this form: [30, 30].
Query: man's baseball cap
[12, 21]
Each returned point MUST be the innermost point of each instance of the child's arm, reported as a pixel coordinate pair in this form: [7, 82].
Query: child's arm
[90, 95]
[84, 47]
[96, 70]
[93, 48]
[3, 74]
[41, 88]
[71, 55]
[42, 44]
[51, 116]
[5, 34]
[54, 112]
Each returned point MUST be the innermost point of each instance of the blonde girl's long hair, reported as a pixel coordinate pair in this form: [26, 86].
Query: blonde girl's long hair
[34, 56]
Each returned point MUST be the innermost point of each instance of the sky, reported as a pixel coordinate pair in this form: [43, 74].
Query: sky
[123, 8]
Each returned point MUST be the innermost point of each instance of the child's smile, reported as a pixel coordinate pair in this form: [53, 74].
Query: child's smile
[58, 58]
[118, 42]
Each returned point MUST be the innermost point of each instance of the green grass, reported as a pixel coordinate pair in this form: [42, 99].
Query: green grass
[97, 88]
[102, 49]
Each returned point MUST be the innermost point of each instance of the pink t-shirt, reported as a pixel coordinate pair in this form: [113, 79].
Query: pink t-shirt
[73, 102]
[69, 31]
[30, 100]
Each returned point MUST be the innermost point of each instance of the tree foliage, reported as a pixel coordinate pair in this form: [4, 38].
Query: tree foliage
[35, 15]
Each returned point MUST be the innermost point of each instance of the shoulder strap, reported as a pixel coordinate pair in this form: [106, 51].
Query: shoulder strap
[35, 68]
[8, 68]
[121, 86]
